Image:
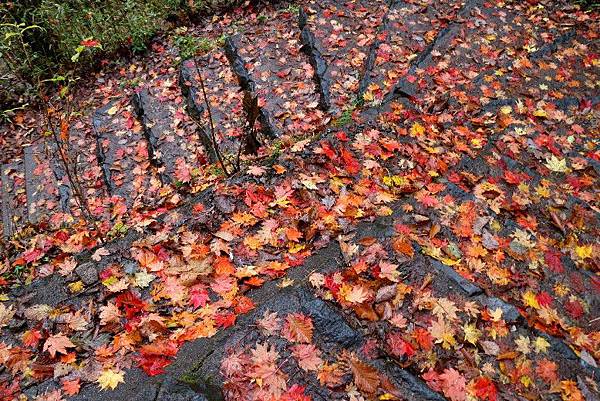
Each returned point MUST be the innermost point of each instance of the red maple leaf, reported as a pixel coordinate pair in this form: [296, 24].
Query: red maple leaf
[485, 388]
[156, 356]
[90, 42]
[546, 369]
[198, 297]
[352, 166]
[544, 299]
[295, 393]
[399, 346]
[574, 308]
[225, 320]
[243, 305]
[553, 261]
[423, 338]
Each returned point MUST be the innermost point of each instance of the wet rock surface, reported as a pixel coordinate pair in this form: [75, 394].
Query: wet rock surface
[451, 251]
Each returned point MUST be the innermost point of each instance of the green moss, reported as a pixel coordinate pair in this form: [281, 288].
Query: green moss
[344, 119]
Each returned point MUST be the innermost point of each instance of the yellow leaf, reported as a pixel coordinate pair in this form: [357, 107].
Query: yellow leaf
[530, 300]
[449, 262]
[496, 314]
[543, 191]
[584, 251]
[417, 129]
[541, 345]
[557, 165]
[285, 282]
[110, 379]
[113, 110]
[526, 380]
[442, 333]
[253, 242]
[76, 286]
[143, 279]
[523, 344]
[471, 333]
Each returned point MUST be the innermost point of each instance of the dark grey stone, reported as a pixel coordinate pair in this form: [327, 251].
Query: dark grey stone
[328, 322]
[467, 286]
[172, 390]
[87, 273]
[509, 312]
[415, 388]
[310, 48]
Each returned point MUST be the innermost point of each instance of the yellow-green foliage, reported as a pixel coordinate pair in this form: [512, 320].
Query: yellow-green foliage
[38, 38]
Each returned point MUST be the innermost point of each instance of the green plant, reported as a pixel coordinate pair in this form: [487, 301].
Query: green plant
[6, 115]
[591, 4]
[37, 37]
[292, 9]
[344, 119]
[190, 46]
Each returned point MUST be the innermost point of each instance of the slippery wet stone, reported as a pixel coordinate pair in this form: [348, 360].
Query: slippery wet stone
[281, 75]
[124, 152]
[247, 83]
[174, 146]
[342, 34]
[14, 198]
[214, 69]
[87, 273]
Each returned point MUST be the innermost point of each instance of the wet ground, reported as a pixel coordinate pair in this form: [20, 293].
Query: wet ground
[416, 219]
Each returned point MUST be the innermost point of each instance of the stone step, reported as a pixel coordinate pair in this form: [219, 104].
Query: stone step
[14, 197]
[46, 182]
[282, 74]
[424, 282]
[332, 337]
[225, 99]
[176, 150]
[406, 32]
[248, 85]
[124, 154]
[316, 59]
[341, 34]
[554, 69]
[85, 147]
[514, 263]
[410, 84]
[451, 63]
[458, 286]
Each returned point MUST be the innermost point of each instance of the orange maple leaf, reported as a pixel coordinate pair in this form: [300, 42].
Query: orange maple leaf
[298, 328]
[57, 343]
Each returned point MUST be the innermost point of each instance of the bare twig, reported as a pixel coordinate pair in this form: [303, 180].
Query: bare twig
[67, 162]
[213, 136]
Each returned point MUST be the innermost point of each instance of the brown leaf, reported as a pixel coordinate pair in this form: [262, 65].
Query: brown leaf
[365, 311]
[366, 377]
[403, 246]
[507, 355]
[58, 343]
[298, 328]
[435, 229]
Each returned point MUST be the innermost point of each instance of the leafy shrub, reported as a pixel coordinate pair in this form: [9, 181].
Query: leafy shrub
[38, 38]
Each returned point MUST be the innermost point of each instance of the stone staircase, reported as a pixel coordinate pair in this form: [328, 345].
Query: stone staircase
[396, 66]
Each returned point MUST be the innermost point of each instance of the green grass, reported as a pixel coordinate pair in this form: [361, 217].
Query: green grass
[190, 46]
[344, 119]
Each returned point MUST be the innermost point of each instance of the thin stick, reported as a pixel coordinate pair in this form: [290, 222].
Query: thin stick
[213, 136]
